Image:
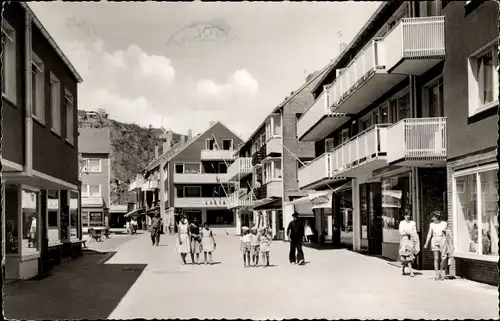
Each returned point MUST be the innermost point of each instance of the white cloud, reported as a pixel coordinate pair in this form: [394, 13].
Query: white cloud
[240, 82]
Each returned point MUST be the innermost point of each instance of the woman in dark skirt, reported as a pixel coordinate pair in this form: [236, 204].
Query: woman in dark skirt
[194, 232]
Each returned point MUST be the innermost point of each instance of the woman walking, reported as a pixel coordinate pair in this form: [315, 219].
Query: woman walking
[409, 245]
[437, 238]
[195, 239]
[308, 233]
[183, 245]
[207, 242]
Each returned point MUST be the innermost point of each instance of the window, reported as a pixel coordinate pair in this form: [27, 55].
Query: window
[94, 190]
[396, 197]
[73, 216]
[85, 190]
[30, 222]
[37, 88]
[210, 144]
[384, 115]
[475, 211]
[53, 209]
[329, 145]
[227, 144]
[400, 108]
[70, 124]
[220, 217]
[179, 168]
[272, 171]
[179, 192]
[55, 103]
[92, 165]
[366, 122]
[222, 168]
[192, 191]
[9, 82]
[435, 99]
[483, 80]
[276, 125]
[192, 168]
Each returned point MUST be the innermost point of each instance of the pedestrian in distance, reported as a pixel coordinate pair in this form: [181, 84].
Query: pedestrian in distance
[265, 246]
[195, 240]
[436, 236]
[208, 244]
[155, 229]
[245, 245]
[308, 233]
[409, 245]
[183, 246]
[254, 246]
[295, 234]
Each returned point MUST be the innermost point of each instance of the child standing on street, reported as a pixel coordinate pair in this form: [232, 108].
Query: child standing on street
[207, 242]
[264, 246]
[406, 253]
[254, 246]
[245, 245]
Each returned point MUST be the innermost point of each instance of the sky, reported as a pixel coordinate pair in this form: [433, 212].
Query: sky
[183, 65]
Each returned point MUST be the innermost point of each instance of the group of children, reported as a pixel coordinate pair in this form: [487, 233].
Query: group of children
[254, 243]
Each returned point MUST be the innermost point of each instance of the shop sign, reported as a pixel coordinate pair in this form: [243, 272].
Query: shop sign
[324, 201]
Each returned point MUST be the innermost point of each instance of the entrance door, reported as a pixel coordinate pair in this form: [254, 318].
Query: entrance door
[375, 218]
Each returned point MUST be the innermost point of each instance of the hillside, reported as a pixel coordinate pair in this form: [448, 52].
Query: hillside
[133, 148]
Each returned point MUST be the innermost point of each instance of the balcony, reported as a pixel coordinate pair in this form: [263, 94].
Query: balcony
[363, 81]
[217, 155]
[273, 146]
[258, 156]
[274, 189]
[415, 45]
[318, 121]
[200, 178]
[238, 199]
[203, 202]
[418, 142]
[316, 171]
[240, 168]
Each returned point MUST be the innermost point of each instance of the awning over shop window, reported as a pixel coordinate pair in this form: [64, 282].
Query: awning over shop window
[134, 213]
[319, 199]
[92, 202]
[152, 211]
[272, 203]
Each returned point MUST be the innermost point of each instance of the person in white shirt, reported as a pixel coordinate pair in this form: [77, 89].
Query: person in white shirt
[437, 237]
[409, 243]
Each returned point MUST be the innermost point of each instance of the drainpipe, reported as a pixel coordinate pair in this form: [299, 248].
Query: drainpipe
[282, 116]
[28, 120]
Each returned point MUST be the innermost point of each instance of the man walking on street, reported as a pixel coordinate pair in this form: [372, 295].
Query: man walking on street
[295, 233]
[155, 229]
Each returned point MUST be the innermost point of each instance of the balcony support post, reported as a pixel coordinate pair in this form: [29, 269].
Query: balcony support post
[238, 221]
[273, 223]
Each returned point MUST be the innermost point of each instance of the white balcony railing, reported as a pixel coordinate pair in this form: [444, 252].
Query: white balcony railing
[422, 37]
[236, 199]
[219, 154]
[367, 61]
[210, 202]
[200, 178]
[240, 167]
[359, 149]
[313, 114]
[418, 139]
[315, 171]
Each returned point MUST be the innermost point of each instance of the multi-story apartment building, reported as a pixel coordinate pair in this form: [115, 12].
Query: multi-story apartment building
[95, 148]
[470, 88]
[192, 178]
[393, 117]
[378, 121]
[40, 187]
[262, 186]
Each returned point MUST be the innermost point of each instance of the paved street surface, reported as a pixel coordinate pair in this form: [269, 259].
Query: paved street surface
[333, 284]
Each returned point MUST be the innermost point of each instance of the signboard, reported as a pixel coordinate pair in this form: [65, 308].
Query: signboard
[95, 219]
[323, 201]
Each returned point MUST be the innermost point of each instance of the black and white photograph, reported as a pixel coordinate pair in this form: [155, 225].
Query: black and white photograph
[250, 160]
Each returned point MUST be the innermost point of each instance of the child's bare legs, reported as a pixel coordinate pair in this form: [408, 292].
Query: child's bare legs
[403, 268]
[256, 258]
[183, 256]
[205, 255]
[263, 254]
[411, 270]
[442, 267]
[436, 264]
[210, 257]
[267, 259]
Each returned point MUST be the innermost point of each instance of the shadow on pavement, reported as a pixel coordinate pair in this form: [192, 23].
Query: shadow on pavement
[326, 246]
[82, 288]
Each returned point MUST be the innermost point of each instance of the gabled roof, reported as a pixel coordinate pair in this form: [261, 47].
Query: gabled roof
[94, 140]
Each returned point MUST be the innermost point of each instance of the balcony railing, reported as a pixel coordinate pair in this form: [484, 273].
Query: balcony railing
[359, 150]
[259, 155]
[315, 171]
[415, 38]
[200, 178]
[418, 139]
[209, 155]
[210, 202]
[313, 114]
[273, 146]
[236, 199]
[241, 167]
[366, 62]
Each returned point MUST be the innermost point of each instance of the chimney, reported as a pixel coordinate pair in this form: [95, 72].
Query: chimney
[156, 152]
[190, 134]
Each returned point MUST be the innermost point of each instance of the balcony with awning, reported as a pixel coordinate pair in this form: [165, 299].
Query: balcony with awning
[415, 45]
[318, 121]
[363, 81]
[418, 142]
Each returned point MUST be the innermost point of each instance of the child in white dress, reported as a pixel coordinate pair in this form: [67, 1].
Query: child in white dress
[207, 242]
[254, 246]
[264, 246]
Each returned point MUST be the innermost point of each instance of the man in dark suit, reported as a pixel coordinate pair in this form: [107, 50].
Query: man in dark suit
[295, 233]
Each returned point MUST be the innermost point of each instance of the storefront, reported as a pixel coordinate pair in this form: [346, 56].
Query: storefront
[396, 198]
[93, 212]
[475, 222]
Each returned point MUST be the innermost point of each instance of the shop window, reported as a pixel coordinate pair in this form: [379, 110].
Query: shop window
[9, 80]
[476, 211]
[220, 217]
[396, 198]
[30, 208]
[53, 207]
[227, 144]
[96, 219]
[73, 216]
[85, 219]
[483, 80]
